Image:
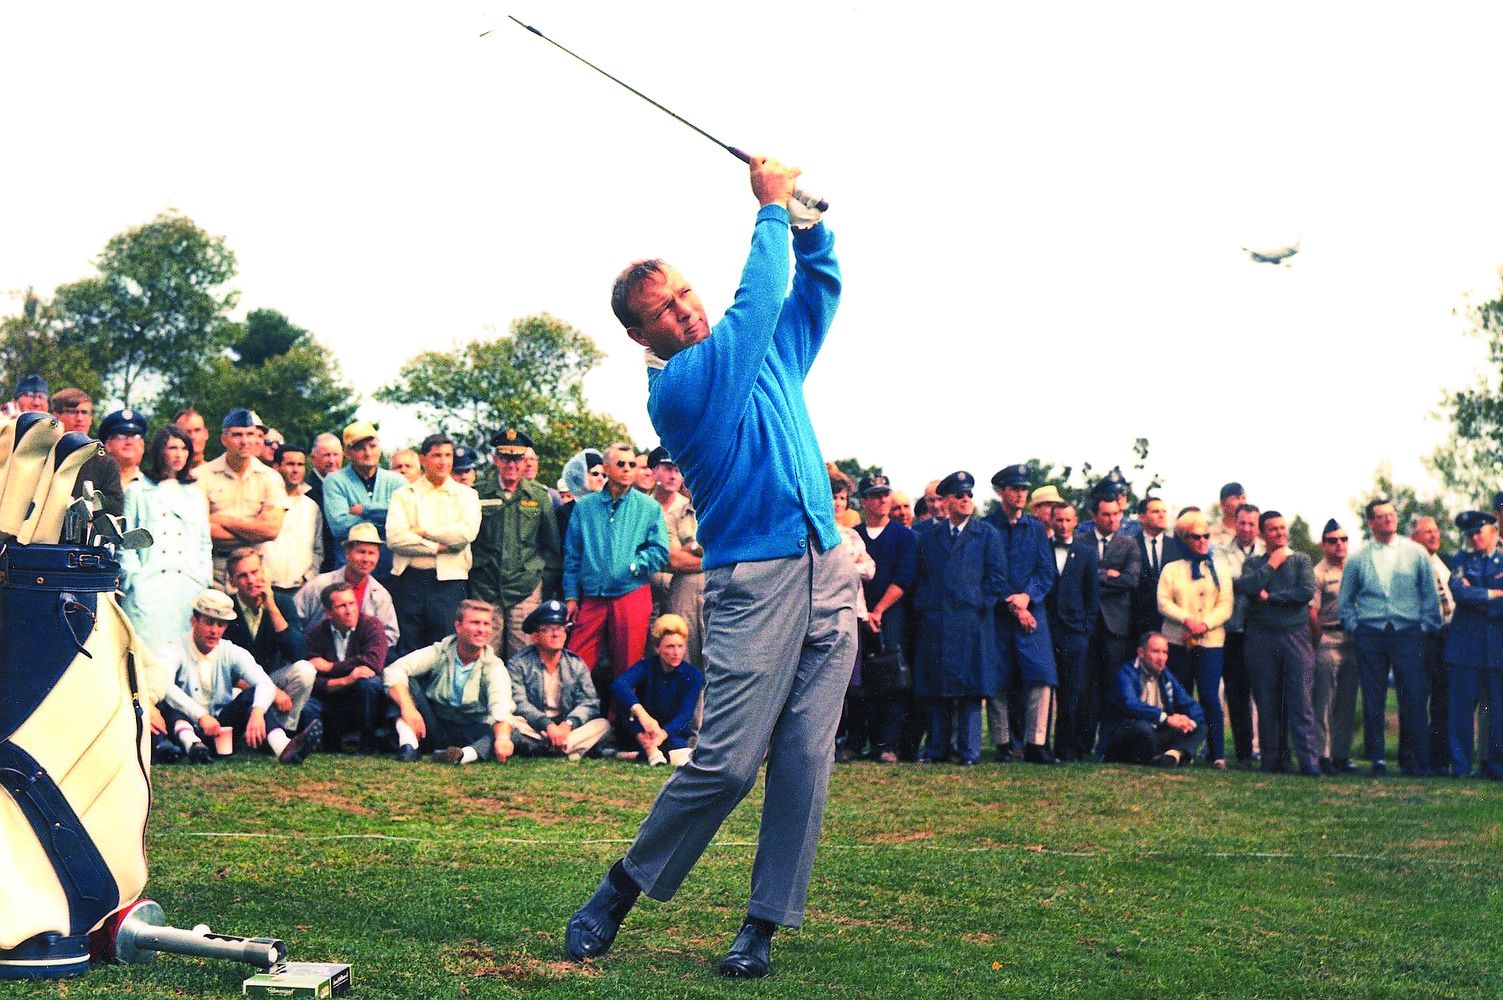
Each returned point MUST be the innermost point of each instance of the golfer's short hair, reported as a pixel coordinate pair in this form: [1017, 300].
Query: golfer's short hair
[470, 604]
[627, 282]
[326, 596]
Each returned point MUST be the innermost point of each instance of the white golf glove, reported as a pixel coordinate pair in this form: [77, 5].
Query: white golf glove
[801, 214]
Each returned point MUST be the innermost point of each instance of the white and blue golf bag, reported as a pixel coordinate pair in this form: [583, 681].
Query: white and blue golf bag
[74, 782]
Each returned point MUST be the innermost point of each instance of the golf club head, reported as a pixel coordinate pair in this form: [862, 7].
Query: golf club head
[135, 538]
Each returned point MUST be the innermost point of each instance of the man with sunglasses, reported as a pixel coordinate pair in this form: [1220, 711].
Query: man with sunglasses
[617, 539]
[518, 554]
[1336, 678]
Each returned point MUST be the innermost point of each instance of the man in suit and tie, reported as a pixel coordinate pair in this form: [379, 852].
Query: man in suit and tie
[1073, 608]
[1155, 548]
[1117, 571]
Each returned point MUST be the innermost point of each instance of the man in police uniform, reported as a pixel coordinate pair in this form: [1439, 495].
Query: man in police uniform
[465, 460]
[1474, 644]
[1022, 626]
[518, 553]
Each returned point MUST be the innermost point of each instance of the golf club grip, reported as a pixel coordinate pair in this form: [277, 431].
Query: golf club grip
[818, 204]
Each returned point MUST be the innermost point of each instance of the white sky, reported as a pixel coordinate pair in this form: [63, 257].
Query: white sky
[1038, 208]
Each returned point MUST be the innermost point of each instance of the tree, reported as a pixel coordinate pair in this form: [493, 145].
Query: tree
[154, 317]
[1076, 483]
[532, 378]
[853, 468]
[1468, 463]
[266, 355]
[1408, 503]
[34, 342]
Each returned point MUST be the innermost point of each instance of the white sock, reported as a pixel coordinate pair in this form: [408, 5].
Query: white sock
[405, 736]
[469, 756]
[656, 757]
[277, 740]
[186, 736]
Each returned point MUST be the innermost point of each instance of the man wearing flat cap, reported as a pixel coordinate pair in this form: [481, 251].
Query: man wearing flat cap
[962, 578]
[217, 686]
[558, 709]
[1028, 669]
[247, 498]
[30, 395]
[360, 491]
[519, 552]
[1474, 646]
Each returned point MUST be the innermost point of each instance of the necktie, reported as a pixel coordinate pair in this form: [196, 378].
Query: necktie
[1103, 540]
[1154, 559]
[954, 532]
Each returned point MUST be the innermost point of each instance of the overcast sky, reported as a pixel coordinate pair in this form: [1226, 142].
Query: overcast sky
[1039, 208]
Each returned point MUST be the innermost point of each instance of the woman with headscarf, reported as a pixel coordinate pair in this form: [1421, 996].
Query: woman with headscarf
[1195, 598]
[584, 473]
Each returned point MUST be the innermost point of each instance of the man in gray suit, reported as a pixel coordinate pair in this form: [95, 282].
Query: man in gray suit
[1118, 567]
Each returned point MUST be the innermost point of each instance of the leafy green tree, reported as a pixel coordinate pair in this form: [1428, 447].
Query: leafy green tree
[1302, 539]
[1076, 482]
[1468, 462]
[268, 355]
[154, 316]
[853, 468]
[532, 378]
[33, 341]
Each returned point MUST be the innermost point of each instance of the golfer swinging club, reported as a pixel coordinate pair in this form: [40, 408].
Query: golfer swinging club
[728, 403]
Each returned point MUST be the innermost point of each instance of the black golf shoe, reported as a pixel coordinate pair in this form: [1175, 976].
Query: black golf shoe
[750, 956]
[593, 928]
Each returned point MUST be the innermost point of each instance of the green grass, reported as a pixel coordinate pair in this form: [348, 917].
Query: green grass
[1081, 881]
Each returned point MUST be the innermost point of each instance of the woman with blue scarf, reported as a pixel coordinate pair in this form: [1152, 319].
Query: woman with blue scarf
[1195, 598]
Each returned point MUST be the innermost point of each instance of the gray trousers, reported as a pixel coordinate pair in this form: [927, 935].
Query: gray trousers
[297, 680]
[1281, 667]
[1335, 695]
[780, 644]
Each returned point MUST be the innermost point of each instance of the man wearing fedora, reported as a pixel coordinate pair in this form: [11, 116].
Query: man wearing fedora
[362, 554]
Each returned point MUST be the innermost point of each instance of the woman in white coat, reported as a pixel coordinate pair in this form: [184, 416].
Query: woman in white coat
[162, 580]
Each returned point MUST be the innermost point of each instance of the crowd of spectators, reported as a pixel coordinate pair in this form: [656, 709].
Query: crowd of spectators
[304, 597]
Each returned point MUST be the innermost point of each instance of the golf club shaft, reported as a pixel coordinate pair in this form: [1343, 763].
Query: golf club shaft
[809, 200]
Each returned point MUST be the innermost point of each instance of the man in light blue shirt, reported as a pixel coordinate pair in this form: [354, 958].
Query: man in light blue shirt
[780, 591]
[1388, 604]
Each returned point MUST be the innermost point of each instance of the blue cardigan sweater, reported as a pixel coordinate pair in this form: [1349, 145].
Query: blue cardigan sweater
[731, 408]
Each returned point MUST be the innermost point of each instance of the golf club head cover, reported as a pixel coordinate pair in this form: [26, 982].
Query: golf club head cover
[74, 780]
[802, 214]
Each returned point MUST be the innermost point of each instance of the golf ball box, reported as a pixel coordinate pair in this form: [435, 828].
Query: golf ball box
[299, 979]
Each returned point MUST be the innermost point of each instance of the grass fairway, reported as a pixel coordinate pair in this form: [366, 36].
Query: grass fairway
[1081, 881]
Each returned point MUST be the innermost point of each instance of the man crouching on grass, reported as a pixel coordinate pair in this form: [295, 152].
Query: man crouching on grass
[1153, 719]
[780, 594]
[456, 694]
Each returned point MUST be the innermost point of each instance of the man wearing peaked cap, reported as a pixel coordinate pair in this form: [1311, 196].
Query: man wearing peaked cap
[465, 460]
[1334, 695]
[568, 724]
[1028, 671]
[519, 553]
[247, 498]
[1474, 645]
[680, 588]
[123, 433]
[870, 716]
[962, 577]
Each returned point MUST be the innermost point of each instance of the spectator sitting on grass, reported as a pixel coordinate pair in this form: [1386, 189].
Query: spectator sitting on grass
[662, 686]
[348, 650]
[204, 700]
[557, 708]
[455, 694]
[1151, 719]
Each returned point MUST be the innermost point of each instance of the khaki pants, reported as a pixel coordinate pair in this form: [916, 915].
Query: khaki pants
[509, 639]
[1335, 695]
[581, 740]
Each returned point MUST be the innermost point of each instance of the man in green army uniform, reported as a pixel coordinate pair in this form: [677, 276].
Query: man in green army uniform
[518, 556]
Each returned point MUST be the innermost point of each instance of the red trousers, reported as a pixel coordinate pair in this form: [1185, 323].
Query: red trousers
[621, 622]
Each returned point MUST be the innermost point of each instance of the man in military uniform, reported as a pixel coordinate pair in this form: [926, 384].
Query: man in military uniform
[247, 498]
[518, 553]
[1336, 676]
[465, 460]
[962, 578]
[1474, 644]
[1022, 626]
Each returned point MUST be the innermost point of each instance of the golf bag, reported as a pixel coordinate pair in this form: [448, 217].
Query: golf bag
[74, 781]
